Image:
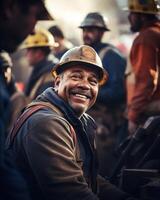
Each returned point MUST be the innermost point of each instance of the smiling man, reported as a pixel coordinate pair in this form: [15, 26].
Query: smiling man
[79, 96]
[54, 147]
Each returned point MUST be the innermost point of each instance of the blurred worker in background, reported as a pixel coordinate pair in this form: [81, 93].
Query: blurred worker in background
[62, 44]
[110, 103]
[17, 98]
[6, 68]
[145, 61]
[17, 20]
[38, 47]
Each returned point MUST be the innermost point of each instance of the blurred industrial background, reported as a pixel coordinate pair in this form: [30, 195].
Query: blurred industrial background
[69, 14]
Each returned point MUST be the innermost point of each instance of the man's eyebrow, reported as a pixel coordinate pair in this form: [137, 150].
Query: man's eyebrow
[77, 70]
[94, 74]
[81, 71]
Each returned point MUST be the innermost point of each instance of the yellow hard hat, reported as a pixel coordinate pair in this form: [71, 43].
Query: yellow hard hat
[85, 55]
[40, 38]
[144, 6]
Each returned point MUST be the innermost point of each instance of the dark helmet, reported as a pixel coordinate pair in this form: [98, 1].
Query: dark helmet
[85, 55]
[94, 19]
[40, 38]
[147, 6]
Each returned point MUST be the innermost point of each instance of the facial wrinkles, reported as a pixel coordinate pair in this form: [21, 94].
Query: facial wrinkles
[78, 92]
[84, 88]
[81, 84]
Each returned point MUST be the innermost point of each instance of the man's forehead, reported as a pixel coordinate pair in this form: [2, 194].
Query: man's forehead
[82, 69]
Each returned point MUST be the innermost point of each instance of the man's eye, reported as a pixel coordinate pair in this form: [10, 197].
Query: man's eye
[76, 76]
[94, 81]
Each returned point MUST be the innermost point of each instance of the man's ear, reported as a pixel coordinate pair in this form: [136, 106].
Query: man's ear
[57, 82]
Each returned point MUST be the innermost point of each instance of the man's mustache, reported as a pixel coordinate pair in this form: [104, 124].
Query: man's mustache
[87, 93]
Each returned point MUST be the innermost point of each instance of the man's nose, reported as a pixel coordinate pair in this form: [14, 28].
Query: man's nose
[84, 84]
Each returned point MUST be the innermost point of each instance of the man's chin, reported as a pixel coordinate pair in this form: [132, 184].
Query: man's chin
[79, 110]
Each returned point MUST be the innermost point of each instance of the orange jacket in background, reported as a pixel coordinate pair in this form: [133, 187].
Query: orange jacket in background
[145, 60]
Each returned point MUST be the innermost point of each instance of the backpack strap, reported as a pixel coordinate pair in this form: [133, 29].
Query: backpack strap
[103, 51]
[30, 110]
[20, 121]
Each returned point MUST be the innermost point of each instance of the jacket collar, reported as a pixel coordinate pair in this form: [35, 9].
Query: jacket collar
[51, 96]
[80, 124]
[84, 129]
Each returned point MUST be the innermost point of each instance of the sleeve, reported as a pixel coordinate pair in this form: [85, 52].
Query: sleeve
[143, 79]
[114, 90]
[51, 154]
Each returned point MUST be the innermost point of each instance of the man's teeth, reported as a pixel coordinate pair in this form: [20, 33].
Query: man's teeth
[81, 96]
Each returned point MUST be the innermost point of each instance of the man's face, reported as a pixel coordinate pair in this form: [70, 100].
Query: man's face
[18, 26]
[33, 56]
[78, 86]
[135, 21]
[92, 35]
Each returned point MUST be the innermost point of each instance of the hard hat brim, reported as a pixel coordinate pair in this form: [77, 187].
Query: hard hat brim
[94, 26]
[140, 11]
[59, 68]
[21, 47]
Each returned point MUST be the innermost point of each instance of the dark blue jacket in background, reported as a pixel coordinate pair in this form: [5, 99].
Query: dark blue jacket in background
[12, 185]
[113, 92]
[40, 70]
